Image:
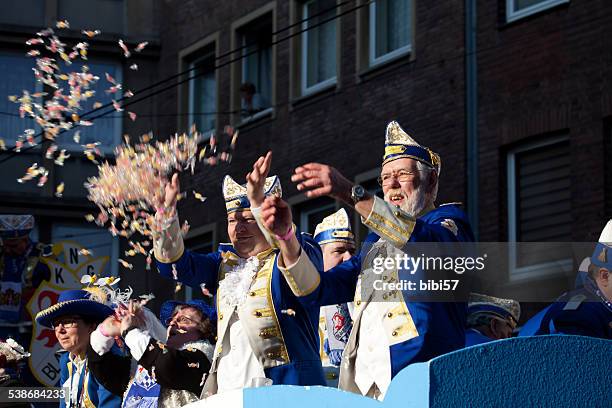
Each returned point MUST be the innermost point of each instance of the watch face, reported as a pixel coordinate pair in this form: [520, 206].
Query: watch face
[358, 192]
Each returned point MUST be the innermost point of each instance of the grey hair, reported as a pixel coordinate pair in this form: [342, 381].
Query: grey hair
[423, 168]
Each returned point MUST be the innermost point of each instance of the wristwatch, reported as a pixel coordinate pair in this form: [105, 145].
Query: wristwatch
[126, 331]
[357, 193]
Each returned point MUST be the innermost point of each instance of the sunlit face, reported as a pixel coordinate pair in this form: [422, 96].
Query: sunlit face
[186, 318]
[334, 253]
[405, 186]
[15, 246]
[244, 233]
[604, 283]
[73, 333]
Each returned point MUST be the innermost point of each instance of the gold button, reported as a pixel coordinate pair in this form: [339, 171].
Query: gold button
[385, 277]
[220, 316]
[385, 296]
[394, 333]
[251, 293]
[389, 315]
[358, 302]
[256, 313]
[270, 355]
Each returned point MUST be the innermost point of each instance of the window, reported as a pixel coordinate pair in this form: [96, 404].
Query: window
[255, 75]
[390, 30]
[203, 91]
[539, 207]
[310, 213]
[202, 243]
[106, 129]
[105, 15]
[24, 12]
[318, 67]
[516, 9]
[17, 76]
[98, 240]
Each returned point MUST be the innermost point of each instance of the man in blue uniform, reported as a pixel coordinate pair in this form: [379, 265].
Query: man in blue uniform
[390, 330]
[21, 269]
[587, 310]
[264, 330]
[490, 318]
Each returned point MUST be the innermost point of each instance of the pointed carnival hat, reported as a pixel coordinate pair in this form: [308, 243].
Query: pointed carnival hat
[399, 145]
[507, 309]
[601, 255]
[236, 195]
[15, 225]
[334, 227]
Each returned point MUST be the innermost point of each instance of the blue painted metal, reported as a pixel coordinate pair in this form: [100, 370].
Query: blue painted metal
[542, 371]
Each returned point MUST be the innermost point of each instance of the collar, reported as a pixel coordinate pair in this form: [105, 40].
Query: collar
[231, 257]
[427, 209]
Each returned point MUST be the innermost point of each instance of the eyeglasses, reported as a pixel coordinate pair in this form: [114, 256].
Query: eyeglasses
[66, 324]
[401, 175]
[181, 320]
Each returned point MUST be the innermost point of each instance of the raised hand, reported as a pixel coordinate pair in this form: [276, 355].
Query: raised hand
[276, 215]
[173, 190]
[133, 317]
[318, 180]
[256, 180]
[111, 327]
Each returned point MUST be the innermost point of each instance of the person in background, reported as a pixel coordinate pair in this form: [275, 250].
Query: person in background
[337, 243]
[21, 271]
[490, 318]
[587, 310]
[251, 101]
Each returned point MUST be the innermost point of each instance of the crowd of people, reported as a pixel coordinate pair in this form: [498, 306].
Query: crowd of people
[272, 285]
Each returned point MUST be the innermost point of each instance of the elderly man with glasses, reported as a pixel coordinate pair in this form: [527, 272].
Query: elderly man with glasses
[392, 328]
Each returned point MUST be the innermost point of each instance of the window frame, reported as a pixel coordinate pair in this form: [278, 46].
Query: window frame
[196, 232]
[374, 61]
[514, 15]
[108, 151]
[237, 71]
[306, 90]
[545, 269]
[37, 87]
[186, 57]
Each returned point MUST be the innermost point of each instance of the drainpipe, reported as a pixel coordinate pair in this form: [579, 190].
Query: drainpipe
[471, 113]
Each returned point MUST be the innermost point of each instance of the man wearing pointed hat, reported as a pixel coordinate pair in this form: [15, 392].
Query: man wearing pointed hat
[587, 310]
[21, 269]
[390, 330]
[264, 331]
[337, 243]
[74, 318]
[490, 318]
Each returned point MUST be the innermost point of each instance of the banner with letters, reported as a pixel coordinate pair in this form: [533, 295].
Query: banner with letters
[67, 264]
